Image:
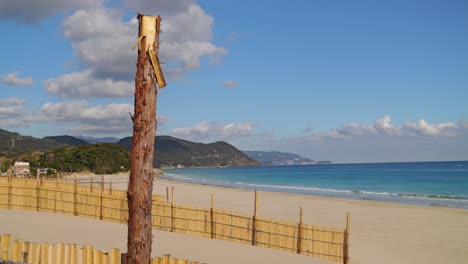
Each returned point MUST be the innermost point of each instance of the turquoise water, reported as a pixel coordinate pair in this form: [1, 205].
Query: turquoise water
[423, 183]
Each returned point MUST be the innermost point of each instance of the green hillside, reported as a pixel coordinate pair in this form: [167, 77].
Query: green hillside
[171, 152]
[67, 140]
[98, 158]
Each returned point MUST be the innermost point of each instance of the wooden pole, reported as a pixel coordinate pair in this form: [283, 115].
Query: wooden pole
[67, 254]
[38, 254]
[75, 195]
[55, 195]
[105, 257]
[110, 187]
[10, 189]
[24, 251]
[44, 255]
[73, 253]
[59, 250]
[81, 255]
[346, 239]
[38, 192]
[299, 231]
[91, 184]
[172, 210]
[16, 251]
[212, 216]
[32, 253]
[100, 197]
[97, 256]
[165, 259]
[115, 256]
[51, 254]
[167, 194]
[89, 254]
[5, 246]
[144, 130]
[254, 217]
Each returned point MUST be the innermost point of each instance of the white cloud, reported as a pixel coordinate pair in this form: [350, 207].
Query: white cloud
[83, 84]
[13, 79]
[209, 131]
[11, 107]
[30, 11]
[102, 40]
[229, 84]
[10, 110]
[423, 128]
[383, 127]
[86, 119]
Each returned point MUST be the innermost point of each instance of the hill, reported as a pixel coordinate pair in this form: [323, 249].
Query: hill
[67, 140]
[277, 158]
[173, 152]
[12, 143]
[94, 140]
[98, 158]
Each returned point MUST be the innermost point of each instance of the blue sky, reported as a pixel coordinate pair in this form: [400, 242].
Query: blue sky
[348, 81]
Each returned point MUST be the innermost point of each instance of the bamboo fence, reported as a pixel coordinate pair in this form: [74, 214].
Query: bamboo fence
[94, 201]
[44, 253]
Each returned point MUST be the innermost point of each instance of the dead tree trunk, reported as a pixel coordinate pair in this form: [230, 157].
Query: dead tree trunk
[144, 129]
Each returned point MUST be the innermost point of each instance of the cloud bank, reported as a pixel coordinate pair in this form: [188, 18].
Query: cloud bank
[12, 79]
[211, 131]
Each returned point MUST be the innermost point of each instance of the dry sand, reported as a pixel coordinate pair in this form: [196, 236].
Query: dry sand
[380, 232]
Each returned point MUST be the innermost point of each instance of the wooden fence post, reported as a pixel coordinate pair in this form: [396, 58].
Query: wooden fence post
[299, 231]
[100, 197]
[212, 216]
[51, 254]
[91, 184]
[32, 253]
[44, 255]
[24, 251]
[55, 196]
[110, 187]
[346, 240]
[115, 256]
[73, 253]
[38, 192]
[75, 195]
[16, 251]
[82, 255]
[97, 256]
[10, 189]
[254, 218]
[172, 210]
[167, 194]
[5, 246]
[165, 259]
[59, 250]
[105, 257]
[89, 254]
[67, 254]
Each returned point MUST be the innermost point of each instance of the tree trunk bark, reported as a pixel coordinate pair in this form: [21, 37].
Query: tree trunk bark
[141, 157]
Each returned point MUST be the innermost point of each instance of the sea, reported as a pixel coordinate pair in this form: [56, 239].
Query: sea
[442, 184]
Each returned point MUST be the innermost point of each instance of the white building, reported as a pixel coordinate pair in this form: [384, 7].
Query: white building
[21, 169]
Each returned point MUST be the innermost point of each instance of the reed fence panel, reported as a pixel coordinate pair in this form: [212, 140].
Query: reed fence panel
[60, 253]
[111, 205]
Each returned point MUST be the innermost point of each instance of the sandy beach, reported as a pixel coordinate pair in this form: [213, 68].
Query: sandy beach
[380, 232]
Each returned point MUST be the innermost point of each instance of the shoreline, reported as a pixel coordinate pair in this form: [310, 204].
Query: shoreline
[359, 195]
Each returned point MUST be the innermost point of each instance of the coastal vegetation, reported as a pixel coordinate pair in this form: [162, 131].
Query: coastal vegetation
[71, 154]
